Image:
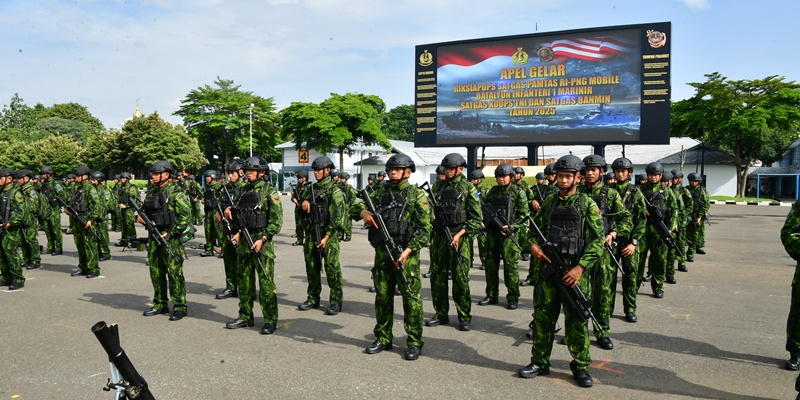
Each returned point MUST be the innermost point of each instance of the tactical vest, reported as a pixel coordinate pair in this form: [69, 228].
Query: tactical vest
[628, 197]
[504, 207]
[46, 191]
[156, 208]
[123, 195]
[5, 209]
[209, 198]
[695, 203]
[251, 213]
[600, 199]
[565, 227]
[656, 199]
[391, 207]
[321, 208]
[226, 201]
[79, 202]
[450, 209]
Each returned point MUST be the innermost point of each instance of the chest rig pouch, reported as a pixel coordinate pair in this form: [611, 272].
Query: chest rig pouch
[657, 200]
[600, 199]
[391, 207]
[251, 212]
[156, 208]
[695, 203]
[80, 204]
[565, 224]
[504, 207]
[321, 210]
[5, 209]
[209, 198]
[450, 209]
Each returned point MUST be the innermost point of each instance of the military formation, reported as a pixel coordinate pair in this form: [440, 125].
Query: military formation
[580, 229]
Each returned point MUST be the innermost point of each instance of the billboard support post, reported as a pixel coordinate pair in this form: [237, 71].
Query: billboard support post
[533, 156]
[472, 158]
[599, 149]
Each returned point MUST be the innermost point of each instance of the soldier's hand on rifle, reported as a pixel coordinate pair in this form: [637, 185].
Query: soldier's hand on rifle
[537, 253]
[123, 206]
[610, 239]
[164, 235]
[67, 212]
[235, 238]
[573, 276]
[403, 256]
[698, 221]
[89, 224]
[323, 242]
[257, 244]
[217, 218]
[306, 206]
[535, 205]
[457, 237]
[628, 250]
[8, 225]
[368, 219]
[228, 214]
[506, 228]
[139, 220]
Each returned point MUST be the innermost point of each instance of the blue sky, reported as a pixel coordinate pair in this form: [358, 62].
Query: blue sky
[106, 54]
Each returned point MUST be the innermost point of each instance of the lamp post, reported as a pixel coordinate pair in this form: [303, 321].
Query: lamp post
[251, 128]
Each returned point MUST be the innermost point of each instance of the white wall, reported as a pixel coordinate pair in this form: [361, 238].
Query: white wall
[721, 179]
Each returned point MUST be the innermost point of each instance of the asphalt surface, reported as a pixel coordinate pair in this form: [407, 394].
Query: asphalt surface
[719, 333]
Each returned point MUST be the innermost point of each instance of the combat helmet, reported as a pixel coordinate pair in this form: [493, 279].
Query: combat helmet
[400, 161]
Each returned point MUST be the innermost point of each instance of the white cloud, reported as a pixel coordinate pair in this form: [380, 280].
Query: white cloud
[697, 5]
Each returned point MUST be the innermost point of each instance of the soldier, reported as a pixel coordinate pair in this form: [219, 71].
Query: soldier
[297, 197]
[511, 206]
[101, 225]
[540, 192]
[350, 194]
[229, 196]
[571, 221]
[13, 212]
[519, 174]
[610, 178]
[126, 191]
[680, 217]
[213, 230]
[641, 179]
[169, 209]
[52, 225]
[87, 203]
[194, 190]
[686, 197]
[628, 247]
[381, 177]
[656, 195]
[260, 212]
[790, 237]
[406, 210]
[440, 173]
[31, 252]
[477, 178]
[616, 224]
[695, 232]
[458, 209]
[115, 224]
[371, 180]
[550, 175]
[329, 215]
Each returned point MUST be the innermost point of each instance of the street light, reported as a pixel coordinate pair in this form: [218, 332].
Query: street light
[251, 128]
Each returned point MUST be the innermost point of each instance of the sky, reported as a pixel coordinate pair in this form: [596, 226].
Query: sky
[109, 54]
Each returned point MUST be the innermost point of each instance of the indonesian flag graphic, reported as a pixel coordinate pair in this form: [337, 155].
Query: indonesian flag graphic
[590, 49]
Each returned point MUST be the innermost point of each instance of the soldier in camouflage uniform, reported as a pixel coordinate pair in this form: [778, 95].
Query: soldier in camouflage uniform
[350, 198]
[52, 225]
[329, 200]
[540, 191]
[125, 192]
[511, 206]
[13, 212]
[695, 231]
[563, 217]
[519, 174]
[477, 177]
[261, 213]
[31, 253]
[405, 209]
[676, 176]
[297, 197]
[170, 210]
[213, 230]
[628, 247]
[616, 224]
[194, 190]
[790, 237]
[101, 225]
[229, 196]
[87, 203]
[115, 225]
[458, 209]
[659, 196]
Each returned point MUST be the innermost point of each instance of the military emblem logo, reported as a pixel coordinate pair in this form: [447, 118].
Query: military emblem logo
[656, 38]
[545, 54]
[520, 57]
[425, 59]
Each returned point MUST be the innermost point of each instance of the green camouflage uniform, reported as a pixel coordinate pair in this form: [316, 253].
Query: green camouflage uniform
[52, 225]
[31, 253]
[230, 256]
[14, 211]
[212, 228]
[86, 201]
[604, 274]
[790, 237]
[680, 243]
[443, 258]
[657, 263]
[540, 193]
[336, 214]
[696, 232]
[633, 200]
[166, 272]
[350, 198]
[270, 206]
[127, 220]
[480, 234]
[386, 276]
[503, 248]
[101, 225]
[299, 215]
[114, 209]
[548, 300]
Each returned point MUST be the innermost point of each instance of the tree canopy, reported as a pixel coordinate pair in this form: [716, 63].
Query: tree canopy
[752, 119]
[398, 123]
[219, 118]
[338, 122]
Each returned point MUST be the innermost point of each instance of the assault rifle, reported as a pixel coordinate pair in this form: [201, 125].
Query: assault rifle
[656, 219]
[125, 380]
[155, 235]
[78, 219]
[444, 224]
[243, 231]
[610, 251]
[556, 270]
[225, 221]
[497, 222]
[391, 246]
[315, 219]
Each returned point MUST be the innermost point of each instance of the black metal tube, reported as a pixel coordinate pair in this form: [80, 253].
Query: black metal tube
[108, 336]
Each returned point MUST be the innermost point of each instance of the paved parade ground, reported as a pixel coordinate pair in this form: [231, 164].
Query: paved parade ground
[719, 333]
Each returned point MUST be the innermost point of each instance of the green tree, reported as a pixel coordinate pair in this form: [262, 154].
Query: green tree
[17, 155]
[219, 118]
[59, 152]
[398, 123]
[752, 119]
[17, 115]
[73, 128]
[73, 112]
[338, 122]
